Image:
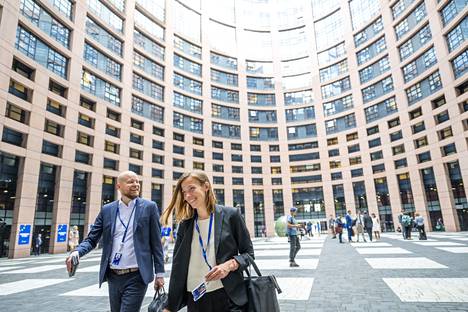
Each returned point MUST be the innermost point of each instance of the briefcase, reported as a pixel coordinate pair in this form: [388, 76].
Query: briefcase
[159, 301]
[261, 290]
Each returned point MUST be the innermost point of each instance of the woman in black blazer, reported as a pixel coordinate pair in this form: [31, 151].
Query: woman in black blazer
[211, 250]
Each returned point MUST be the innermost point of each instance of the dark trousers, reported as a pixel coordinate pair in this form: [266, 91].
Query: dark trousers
[407, 230]
[126, 292]
[422, 232]
[369, 232]
[294, 247]
[214, 301]
[350, 233]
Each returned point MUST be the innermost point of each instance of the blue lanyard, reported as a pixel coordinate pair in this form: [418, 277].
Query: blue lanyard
[129, 219]
[200, 239]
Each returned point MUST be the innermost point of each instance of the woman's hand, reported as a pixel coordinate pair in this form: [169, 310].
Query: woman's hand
[222, 270]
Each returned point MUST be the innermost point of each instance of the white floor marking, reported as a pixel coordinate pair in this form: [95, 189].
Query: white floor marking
[381, 251]
[283, 264]
[454, 249]
[379, 244]
[37, 269]
[285, 252]
[295, 288]
[439, 244]
[404, 263]
[28, 284]
[95, 291]
[6, 268]
[429, 289]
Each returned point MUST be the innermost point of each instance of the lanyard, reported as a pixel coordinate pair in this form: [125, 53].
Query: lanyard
[200, 239]
[129, 219]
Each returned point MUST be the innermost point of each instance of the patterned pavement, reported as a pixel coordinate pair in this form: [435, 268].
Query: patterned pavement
[389, 275]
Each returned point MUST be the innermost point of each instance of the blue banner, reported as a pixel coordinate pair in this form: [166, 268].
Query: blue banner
[24, 234]
[61, 233]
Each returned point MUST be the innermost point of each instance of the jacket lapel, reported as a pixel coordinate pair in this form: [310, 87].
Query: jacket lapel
[137, 214]
[113, 213]
[218, 226]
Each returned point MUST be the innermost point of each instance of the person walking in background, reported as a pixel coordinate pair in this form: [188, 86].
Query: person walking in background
[331, 226]
[74, 238]
[368, 224]
[360, 227]
[407, 223]
[349, 226]
[132, 251]
[319, 229]
[339, 228]
[294, 245]
[309, 228]
[38, 244]
[212, 249]
[419, 222]
[402, 227]
[165, 240]
[376, 226]
[440, 225]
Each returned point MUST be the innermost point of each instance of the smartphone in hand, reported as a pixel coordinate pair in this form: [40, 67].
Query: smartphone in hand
[74, 265]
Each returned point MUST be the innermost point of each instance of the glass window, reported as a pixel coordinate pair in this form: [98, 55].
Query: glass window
[149, 25]
[363, 11]
[329, 30]
[106, 15]
[188, 22]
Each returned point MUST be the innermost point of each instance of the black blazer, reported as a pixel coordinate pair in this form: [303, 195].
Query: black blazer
[231, 240]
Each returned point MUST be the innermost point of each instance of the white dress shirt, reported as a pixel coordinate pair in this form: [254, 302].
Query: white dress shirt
[128, 259]
[197, 265]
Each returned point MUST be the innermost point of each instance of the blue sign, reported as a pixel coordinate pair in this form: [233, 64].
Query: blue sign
[165, 231]
[24, 234]
[61, 233]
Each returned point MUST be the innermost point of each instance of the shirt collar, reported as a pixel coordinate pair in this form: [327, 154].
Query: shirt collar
[130, 205]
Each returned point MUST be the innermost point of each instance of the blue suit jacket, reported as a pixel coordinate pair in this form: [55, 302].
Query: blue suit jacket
[146, 238]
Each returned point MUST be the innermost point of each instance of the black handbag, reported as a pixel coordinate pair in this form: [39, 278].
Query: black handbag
[159, 301]
[261, 290]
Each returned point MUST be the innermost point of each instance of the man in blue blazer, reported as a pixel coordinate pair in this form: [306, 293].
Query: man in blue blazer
[131, 240]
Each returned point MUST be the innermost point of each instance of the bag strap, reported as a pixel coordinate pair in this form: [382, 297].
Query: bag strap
[158, 293]
[251, 262]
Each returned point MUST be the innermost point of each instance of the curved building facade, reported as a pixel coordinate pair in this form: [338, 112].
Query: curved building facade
[325, 105]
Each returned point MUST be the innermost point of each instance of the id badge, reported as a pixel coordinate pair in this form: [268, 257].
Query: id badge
[116, 259]
[199, 291]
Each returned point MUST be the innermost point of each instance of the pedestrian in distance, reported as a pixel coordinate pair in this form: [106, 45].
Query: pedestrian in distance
[331, 226]
[38, 244]
[132, 251]
[293, 228]
[402, 226]
[73, 238]
[360, 227]
[440, 225]
[419, 223]
[339, 225]
[211, 251]
[309, 229]
[376, 226]
[368, 224]
[407, 224]
[349, 226]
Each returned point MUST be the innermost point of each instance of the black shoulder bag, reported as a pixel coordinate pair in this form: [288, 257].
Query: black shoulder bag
[261, 290]
[159, 302]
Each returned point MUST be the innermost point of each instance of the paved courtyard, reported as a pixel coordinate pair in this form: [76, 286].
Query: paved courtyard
[388, 275]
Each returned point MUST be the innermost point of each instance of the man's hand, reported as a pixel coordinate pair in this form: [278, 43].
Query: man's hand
[68, 261]
[222, 270]
[158, 283]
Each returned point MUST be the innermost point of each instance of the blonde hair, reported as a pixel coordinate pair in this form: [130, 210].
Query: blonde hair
[183, 210]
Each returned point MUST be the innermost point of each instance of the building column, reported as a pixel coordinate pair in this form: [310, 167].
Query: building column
[25, 206]
[447, 203]
[62, 209]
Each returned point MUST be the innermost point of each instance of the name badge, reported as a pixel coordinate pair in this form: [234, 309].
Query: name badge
[117, 258]
[199, 291]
